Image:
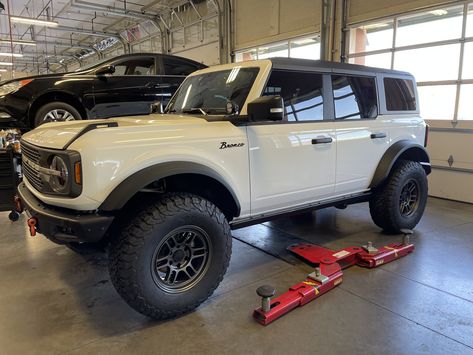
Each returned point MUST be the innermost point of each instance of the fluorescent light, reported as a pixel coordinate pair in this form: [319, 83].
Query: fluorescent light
[440, 12]
[6, 63]
[33, 21]
[16, 55]
[3, 70]
[23, 43]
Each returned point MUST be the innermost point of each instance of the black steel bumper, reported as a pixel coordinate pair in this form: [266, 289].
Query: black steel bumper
[62, 225]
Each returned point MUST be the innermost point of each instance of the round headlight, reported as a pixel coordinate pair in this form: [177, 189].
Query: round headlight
[60, 177]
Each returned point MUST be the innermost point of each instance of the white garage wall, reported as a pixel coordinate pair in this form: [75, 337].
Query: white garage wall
[207, 54]
[269, 21]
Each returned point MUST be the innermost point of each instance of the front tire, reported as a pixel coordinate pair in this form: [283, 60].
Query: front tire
[400, 202]
[56, 112]
[171, 256]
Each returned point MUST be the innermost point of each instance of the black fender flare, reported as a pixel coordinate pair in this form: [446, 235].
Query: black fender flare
[137, 181]
[401, 149]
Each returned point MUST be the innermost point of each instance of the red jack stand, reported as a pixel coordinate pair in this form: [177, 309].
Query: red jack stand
[327, 274]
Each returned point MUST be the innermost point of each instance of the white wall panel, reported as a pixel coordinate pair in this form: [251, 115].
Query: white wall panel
[261, 22]
[207, 54]
[365, 10]
[452, 180]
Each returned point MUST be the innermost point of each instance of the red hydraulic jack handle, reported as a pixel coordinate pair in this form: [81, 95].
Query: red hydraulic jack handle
[327, 275]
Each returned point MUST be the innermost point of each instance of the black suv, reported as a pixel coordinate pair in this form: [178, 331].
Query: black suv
[124, 85]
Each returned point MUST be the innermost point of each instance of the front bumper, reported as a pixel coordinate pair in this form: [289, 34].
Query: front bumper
[62, 225]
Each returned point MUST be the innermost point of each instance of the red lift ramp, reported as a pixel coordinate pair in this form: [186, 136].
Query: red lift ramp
[327, 275]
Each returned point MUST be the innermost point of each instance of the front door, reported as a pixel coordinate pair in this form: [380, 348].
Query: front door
[130, 90]
[292, 162]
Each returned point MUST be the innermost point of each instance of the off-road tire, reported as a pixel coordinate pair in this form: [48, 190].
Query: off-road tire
[56, 105]
[131, 254]
[385, 202]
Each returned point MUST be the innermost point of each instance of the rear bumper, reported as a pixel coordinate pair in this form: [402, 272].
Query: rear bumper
[62, 225]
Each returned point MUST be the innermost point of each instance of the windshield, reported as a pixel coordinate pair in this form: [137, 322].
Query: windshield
[211, 93]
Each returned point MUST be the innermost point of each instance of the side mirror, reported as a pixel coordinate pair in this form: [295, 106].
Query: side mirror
[109, 69]
[266, 108]
[156, 107]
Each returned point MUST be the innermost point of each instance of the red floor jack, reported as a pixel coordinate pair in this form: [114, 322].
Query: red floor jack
[327, 274]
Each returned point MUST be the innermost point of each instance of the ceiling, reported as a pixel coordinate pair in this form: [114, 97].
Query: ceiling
[82, 24]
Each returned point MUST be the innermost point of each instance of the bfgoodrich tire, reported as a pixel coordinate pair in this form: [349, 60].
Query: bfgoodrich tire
[171, 256]
[56, 112]
[400, 202]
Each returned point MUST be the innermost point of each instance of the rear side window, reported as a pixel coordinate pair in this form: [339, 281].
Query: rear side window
[354, 97]
[400, 94]
[175, 66]
[302, 93]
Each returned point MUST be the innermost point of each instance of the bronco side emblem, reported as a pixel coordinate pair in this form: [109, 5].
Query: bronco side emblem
[224, 145]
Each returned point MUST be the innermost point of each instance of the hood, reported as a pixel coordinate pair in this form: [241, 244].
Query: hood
[59, 135]
[46, 76]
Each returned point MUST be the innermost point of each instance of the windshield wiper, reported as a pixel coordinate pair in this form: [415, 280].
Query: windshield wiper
[194, 110]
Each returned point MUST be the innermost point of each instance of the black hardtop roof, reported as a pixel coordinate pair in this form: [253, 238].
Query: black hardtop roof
[297, 63]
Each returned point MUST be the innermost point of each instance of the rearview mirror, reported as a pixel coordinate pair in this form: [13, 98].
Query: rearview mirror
[266, 108]
[109, 69]
[156, 107]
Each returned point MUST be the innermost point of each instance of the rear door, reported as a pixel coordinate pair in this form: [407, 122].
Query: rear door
[130, 90]
[292, 162]
[362, 138]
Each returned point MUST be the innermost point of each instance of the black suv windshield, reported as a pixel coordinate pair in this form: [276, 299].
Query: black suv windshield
[210, 93]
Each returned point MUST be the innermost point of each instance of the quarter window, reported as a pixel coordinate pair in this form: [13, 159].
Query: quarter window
[302, 93]
[354, 97]
[400, 94]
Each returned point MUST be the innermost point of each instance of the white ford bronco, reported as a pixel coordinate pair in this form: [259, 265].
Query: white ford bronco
[238, 144]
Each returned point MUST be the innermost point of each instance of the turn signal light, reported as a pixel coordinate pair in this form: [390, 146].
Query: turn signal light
[78, 173]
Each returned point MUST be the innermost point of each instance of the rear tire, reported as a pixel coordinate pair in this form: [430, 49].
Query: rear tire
[400, 202]
[56, 112]
[171, 256]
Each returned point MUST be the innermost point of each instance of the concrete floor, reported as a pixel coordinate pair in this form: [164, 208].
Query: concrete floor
[53, 301]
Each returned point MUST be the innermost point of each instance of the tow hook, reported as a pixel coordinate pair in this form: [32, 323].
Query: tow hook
[32, 222]
[18, 205]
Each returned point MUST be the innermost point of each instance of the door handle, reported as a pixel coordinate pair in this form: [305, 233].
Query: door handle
[378, 135]
[322, 140]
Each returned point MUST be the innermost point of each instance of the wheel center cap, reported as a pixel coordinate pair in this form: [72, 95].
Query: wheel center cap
[178, 256]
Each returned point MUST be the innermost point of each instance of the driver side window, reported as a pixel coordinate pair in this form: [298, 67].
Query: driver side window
[136, 66]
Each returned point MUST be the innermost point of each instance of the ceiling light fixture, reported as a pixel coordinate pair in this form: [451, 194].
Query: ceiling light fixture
[16, 55]
[3, 70]
[22, 43]
[33, 21]
[6, 63]
[440, 12]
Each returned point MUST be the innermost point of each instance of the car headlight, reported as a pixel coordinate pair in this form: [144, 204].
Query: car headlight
[59, 179]
[13, 86]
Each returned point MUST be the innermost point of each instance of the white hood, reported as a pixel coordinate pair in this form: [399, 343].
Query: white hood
[57, 135]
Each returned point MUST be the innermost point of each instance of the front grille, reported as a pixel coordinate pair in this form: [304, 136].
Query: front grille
[31, 154]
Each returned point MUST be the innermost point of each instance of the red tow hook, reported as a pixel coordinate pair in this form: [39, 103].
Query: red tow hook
[18, 205]
[32, 222]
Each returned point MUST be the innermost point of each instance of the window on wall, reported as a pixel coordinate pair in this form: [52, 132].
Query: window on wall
[432, 46]
[307, 47]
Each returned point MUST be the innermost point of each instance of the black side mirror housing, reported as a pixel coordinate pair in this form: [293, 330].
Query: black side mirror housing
[109, 69]
[266, 108]
[156, 107]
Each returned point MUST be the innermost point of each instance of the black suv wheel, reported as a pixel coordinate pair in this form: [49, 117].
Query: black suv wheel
[400, 202]
[171, 256]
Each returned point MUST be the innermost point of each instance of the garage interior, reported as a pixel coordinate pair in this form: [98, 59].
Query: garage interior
[54, 301]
